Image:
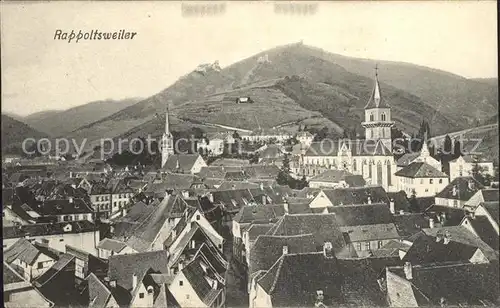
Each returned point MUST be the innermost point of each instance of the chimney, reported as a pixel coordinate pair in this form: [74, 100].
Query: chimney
[319, 299]
[264, 199]
[392, 206]
[70, 199]
[70, 174]
[401, 212]
[439, 236]
[454, 190]
[285, 250]
[328, 250]
[134, 281]
[112, 283]
[408, 270]
[447, 237]
[181, 266]
[285, 207]
[431, 223]
[369, 200]
[261, 186]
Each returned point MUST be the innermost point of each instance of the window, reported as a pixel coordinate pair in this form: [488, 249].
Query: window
[358, 246]
[379, 244]
[39, 265]
[141, 295]
[421, 181]
[440, 181]
[187, 296]
[61, 240]
[382, 117]
[367, 246]
[371, 116]
[431, 181]
[97, 198]
[197, 217]
[181, 283]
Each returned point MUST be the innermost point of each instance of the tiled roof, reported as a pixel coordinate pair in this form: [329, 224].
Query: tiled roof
[141, 225]
[354, 215]
[420, 170]
[293, 282]
[466, 284]
[122, 267]
[324, 228]
[267, 249]
[465, 188]
[410, 224]
[262, 213]
[362, 233]
[493, 209]
[484, 229]
[357, 195]
[230, 162]
[48, 229]
[407, 159]
[453, 215]
[400, 200]
[10, 275]
[195, 274]
[184, 161]
[65, 260]
[462, 235]
[228, 185]
[112, 245]
[62, 207]
[258, 229]
[425, 249]
[22, 250]
[490, 195]
[332, 176]
[99, 294]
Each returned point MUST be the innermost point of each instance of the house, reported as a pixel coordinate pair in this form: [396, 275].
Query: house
[58, 283]
[462, 234]
[421, 179]
[324, 228]
[110, 247]
[251, 214]
[336, 178]
[64, 209]
[213, 146]
[458, 192]
[482, 228]
[293, 282]
[427, 249]
[266, 135]
[82, 235]
[420, 157]
[251, 234]
[408, 224]
[100, 197]
[86, 263]
[463, 166]
[30, 260]
[244, 100]
[466, 284]
[489, 210]
[198, 285]
[349, 196]
[17, 292]
[146, 226]
[184, 163]
[305, 138]
[267, 249]
[483, 195]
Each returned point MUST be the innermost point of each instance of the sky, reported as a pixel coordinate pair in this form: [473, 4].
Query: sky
[40, 73]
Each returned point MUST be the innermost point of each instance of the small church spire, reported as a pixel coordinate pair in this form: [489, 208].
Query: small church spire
[376, 100]
[167, 124]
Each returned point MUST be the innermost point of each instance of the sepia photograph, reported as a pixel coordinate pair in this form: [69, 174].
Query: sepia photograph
[250, 154]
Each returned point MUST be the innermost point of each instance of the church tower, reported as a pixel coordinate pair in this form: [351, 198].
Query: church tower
[167, 142]
[378, 122]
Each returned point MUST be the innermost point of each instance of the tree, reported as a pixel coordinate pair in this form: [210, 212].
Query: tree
[414, 208]
[302, 183]
[477, 174]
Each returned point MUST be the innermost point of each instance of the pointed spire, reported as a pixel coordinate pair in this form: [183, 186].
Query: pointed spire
[425, 149]
[376, 100]
[167, 124]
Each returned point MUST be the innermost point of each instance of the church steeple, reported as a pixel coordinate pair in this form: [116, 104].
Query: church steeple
[376, 100]
[167, 142]
[378, 121]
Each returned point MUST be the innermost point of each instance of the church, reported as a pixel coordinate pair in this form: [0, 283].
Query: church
[371, 157]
